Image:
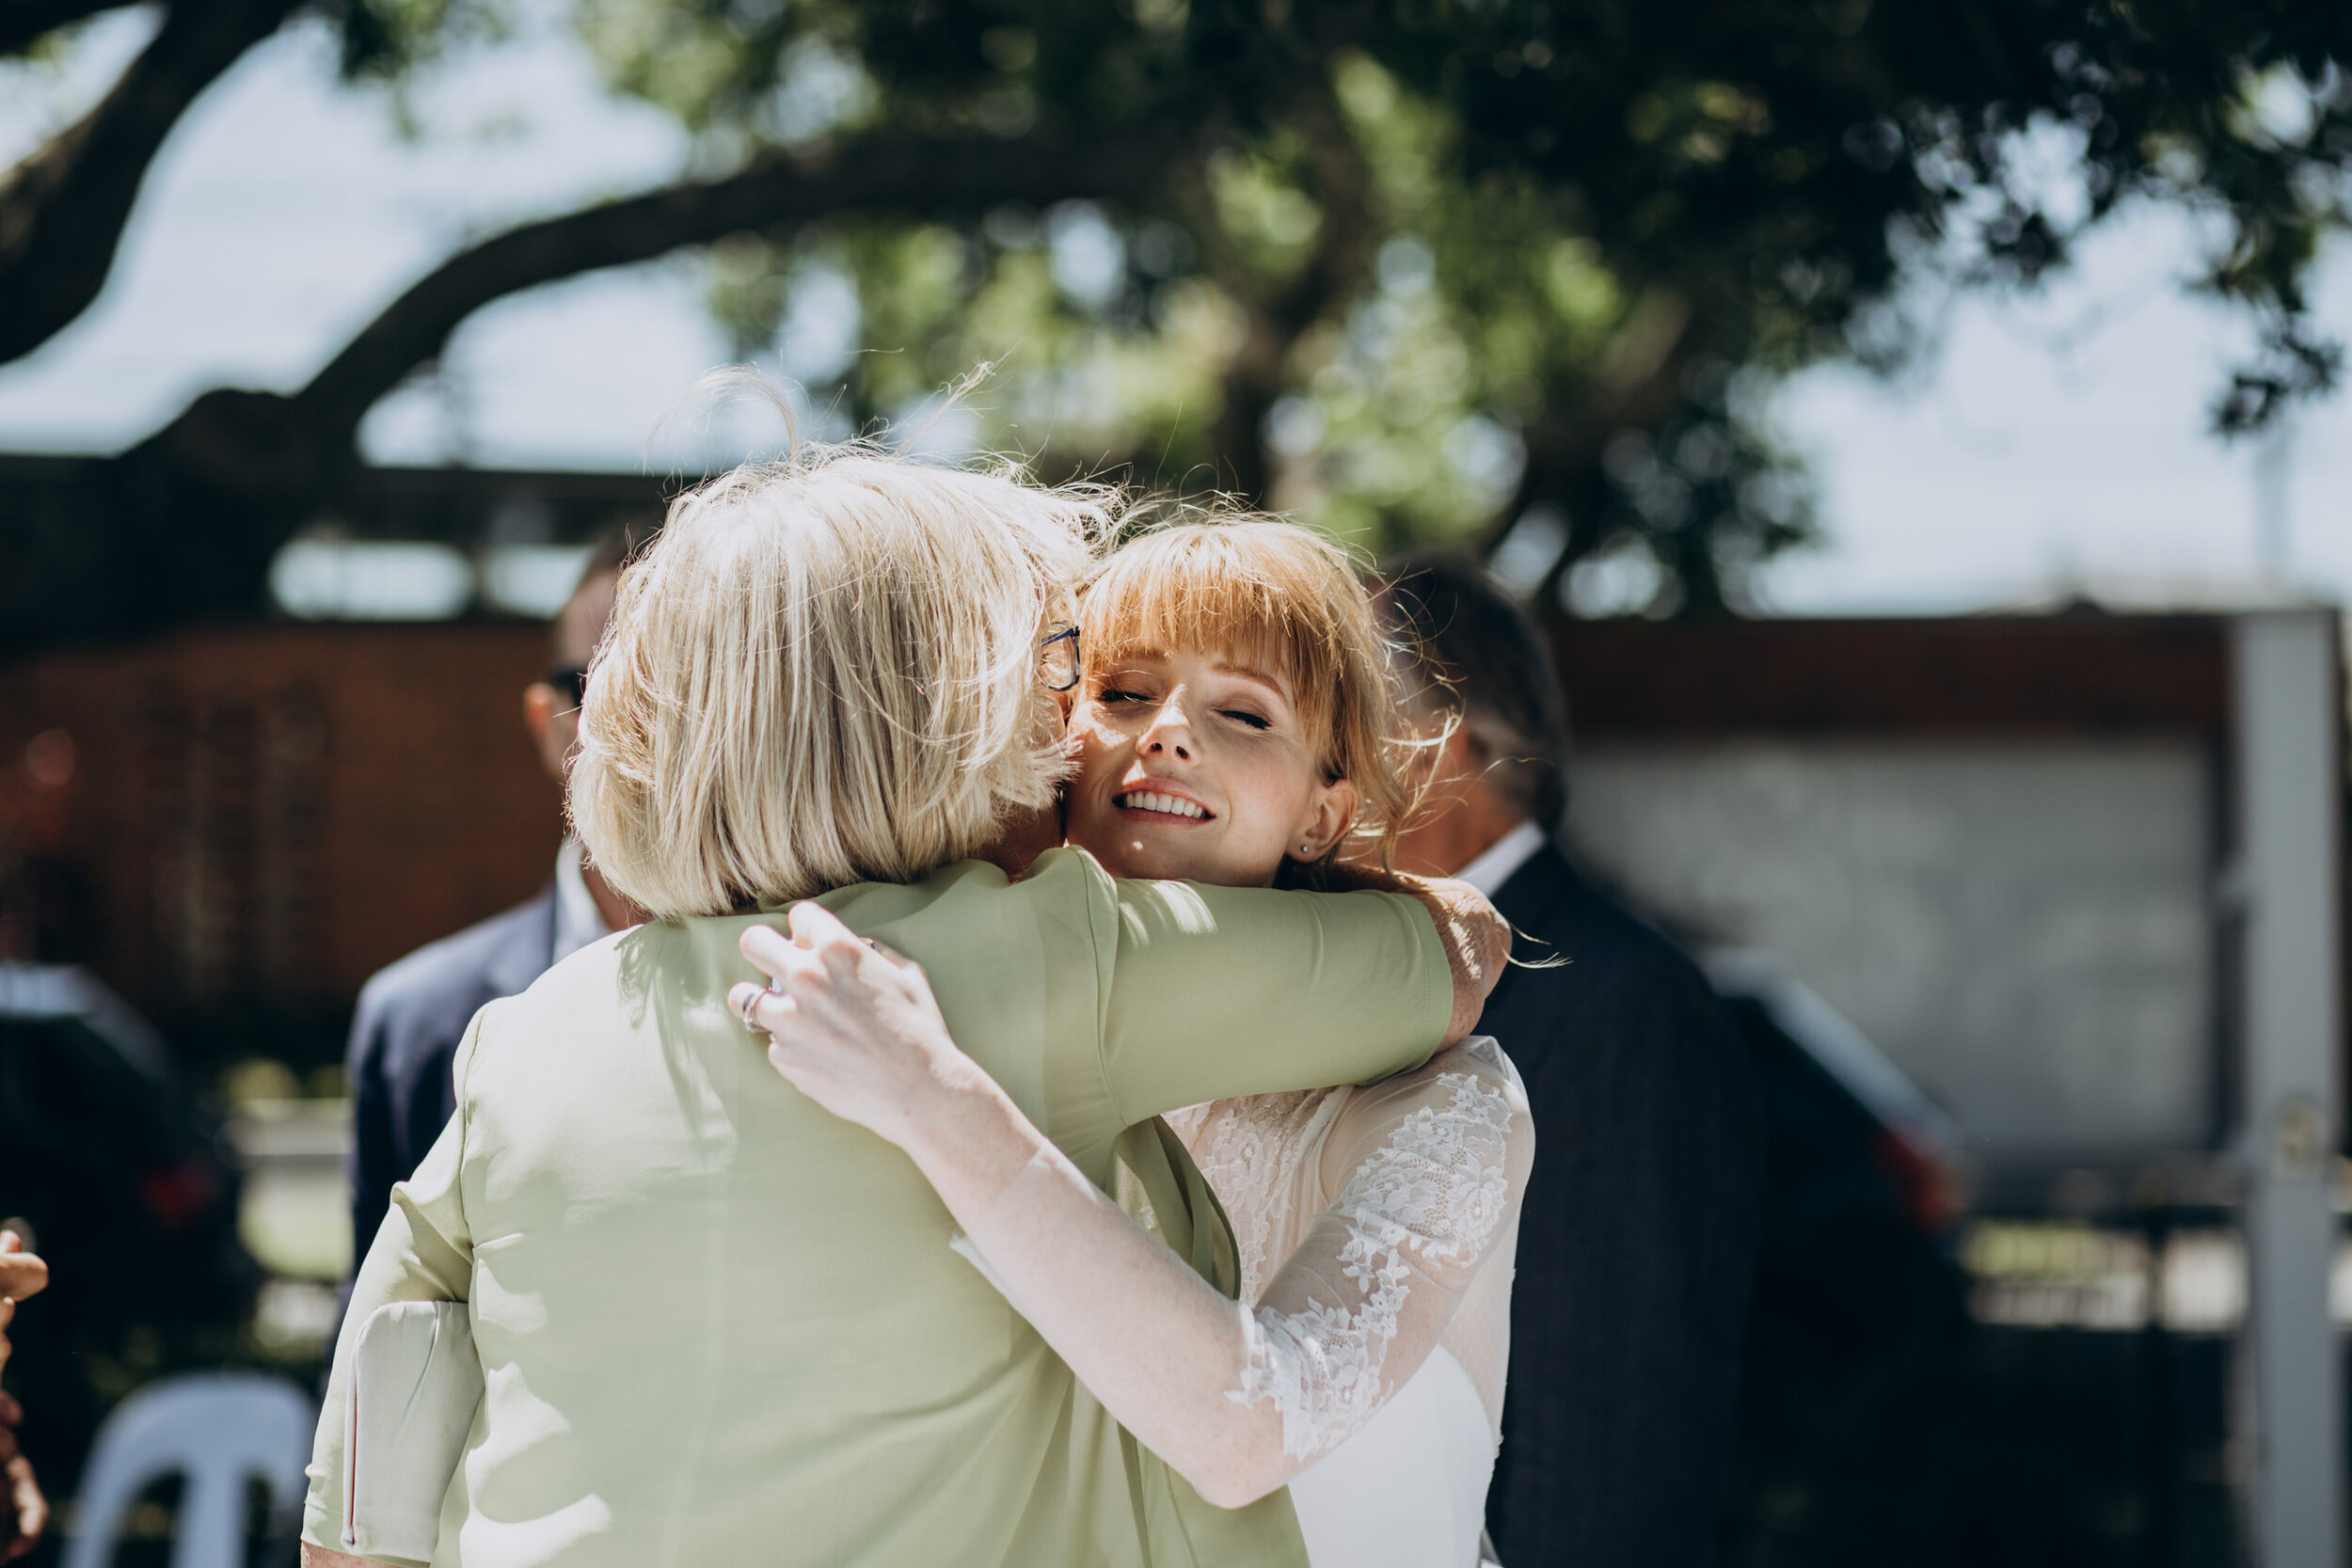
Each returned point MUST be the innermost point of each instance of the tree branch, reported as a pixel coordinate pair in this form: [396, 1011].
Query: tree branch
[25, 22]
[926, 177]
[62, 211]
[1277, 314]
[183, 526]
[1637, 387]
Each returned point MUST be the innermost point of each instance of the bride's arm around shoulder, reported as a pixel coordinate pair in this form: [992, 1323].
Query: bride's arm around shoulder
[1233, 1399]
[1425, 1172]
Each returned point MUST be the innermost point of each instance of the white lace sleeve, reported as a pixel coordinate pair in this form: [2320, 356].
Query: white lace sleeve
[1431, 1167]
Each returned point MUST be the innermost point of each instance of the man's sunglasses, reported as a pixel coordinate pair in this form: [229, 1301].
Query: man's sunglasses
[570, 683]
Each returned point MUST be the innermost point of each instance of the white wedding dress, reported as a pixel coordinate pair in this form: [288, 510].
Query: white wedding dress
[1376, 1229]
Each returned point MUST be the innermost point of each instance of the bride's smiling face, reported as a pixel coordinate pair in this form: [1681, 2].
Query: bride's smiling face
[1197, 766]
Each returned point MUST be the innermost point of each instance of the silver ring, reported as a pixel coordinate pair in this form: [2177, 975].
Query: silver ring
[745, 1012]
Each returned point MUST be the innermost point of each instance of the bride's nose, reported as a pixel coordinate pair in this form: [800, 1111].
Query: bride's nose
[1170, 735]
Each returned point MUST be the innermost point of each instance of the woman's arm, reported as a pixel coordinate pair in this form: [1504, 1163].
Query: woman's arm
[1236, 1400]
[858, 1031]
[423, 1251]
[1355, 986]
[1476, 939]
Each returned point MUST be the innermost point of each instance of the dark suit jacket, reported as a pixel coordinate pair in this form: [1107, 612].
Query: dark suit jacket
[1637, 1239]
[411, 1017]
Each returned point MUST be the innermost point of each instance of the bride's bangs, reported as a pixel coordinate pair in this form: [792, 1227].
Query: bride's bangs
[1280, 600]
[1241, 590]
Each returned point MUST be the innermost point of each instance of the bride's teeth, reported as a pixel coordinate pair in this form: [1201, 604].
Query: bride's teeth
[1167, 805]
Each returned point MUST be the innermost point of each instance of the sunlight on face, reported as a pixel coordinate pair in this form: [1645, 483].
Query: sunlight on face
[1195, 765]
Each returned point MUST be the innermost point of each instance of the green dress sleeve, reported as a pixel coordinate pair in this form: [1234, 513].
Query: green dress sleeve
[1218, 992]
[423, 1251]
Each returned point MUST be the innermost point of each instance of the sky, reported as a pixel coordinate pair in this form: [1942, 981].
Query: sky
[2061, 442]
[2052, 444]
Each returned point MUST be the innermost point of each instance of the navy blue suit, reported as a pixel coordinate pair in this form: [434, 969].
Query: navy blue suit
[411, 1015]
[1637, 1239]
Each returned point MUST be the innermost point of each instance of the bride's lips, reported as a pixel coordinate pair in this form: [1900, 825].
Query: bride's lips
[1159, 800]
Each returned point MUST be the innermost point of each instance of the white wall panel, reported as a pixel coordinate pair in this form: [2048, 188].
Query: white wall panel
[2024, 927]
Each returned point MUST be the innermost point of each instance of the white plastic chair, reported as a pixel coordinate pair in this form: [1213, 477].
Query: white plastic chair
[217, 1429]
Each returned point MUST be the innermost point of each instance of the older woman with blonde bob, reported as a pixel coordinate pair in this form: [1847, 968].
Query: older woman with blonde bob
[717, 1324]
[1235, 724]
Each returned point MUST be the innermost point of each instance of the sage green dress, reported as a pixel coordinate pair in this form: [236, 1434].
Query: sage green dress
[720, 1326]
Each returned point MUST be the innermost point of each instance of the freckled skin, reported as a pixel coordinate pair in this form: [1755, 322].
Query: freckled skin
[1202, 727]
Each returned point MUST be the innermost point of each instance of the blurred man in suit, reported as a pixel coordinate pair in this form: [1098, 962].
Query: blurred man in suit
[412, 1014]
[1638, 1240]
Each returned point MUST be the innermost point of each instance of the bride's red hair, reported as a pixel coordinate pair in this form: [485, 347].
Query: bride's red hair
[1281, 598]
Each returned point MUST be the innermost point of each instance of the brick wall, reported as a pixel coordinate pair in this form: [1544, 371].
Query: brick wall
[258, 818]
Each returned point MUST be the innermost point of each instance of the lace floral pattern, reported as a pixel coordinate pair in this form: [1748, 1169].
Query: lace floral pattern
[1251, 1151]
[1427, 1202]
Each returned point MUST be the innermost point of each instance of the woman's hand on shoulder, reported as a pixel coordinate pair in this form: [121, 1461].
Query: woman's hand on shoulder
[854, 1026]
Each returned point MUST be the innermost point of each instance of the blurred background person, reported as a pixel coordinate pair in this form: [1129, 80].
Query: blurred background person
[1638, 1241]
[412, 1013]
[26, 1513]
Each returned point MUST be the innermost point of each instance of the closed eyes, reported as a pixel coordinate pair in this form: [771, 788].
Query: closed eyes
[1120, 696]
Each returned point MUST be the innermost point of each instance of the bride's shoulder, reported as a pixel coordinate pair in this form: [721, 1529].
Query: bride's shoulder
[1465, 1104]
[1481, 1056]
[1478, 1065]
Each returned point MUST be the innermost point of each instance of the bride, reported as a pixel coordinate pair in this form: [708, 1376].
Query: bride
[1233, 725]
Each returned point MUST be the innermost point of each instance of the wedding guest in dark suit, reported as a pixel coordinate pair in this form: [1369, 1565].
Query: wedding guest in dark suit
[412, 1013]
[1637, 1243]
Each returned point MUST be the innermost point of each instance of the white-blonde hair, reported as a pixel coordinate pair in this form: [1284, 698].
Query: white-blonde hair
[824, 672]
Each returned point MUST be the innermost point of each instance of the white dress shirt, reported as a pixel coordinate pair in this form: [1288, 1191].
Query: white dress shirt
[576, 920]
[1502, 858]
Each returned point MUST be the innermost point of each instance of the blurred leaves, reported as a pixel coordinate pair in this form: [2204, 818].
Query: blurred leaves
[384, 38]
[1431, 272]
[1521, 273]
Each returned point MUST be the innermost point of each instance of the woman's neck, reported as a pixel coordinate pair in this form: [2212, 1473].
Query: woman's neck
[1024, 836]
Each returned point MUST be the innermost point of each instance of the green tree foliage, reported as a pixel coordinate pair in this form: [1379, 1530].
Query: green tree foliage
[1521, 273]
[1427, 272]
